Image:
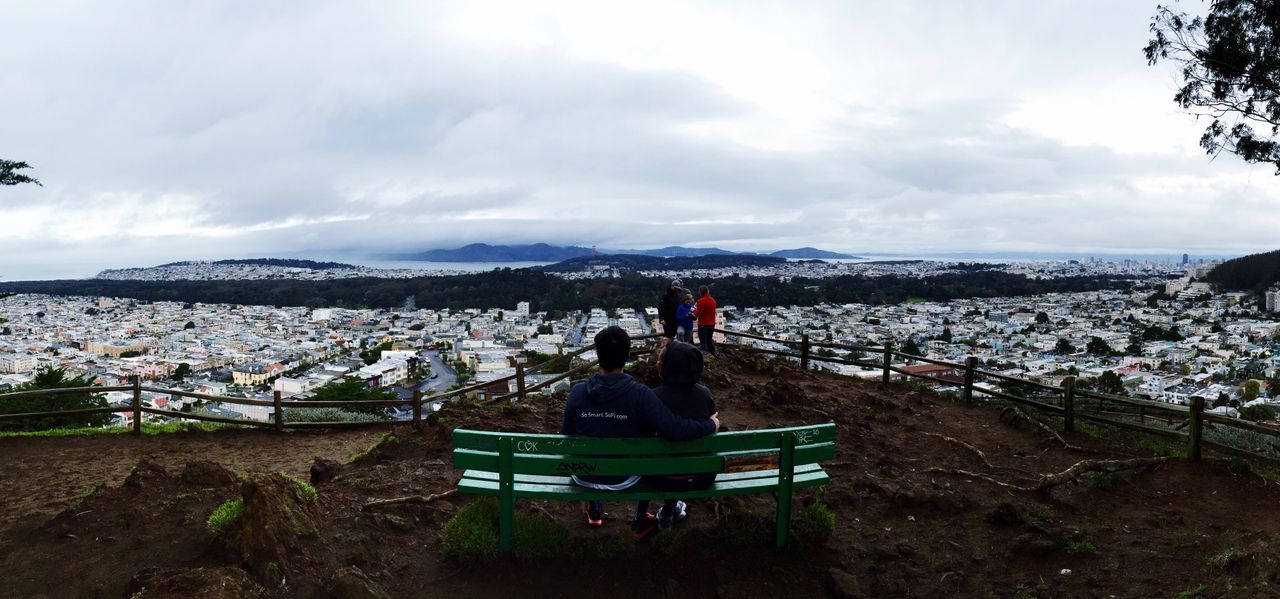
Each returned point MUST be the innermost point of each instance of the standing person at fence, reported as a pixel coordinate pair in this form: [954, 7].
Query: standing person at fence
[684, 319]
[680, 366]
[667, 304]
[612, 404]
[705, 310]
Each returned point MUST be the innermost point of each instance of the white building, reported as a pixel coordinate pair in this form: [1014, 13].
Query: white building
[522, 309]
[17, 363]
[1273, 299]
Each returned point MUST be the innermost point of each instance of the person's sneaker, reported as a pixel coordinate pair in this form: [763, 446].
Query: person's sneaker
[594, 519]
[666, 520]
[645, 527]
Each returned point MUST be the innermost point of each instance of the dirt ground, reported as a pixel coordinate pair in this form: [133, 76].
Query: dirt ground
[903, 529]
[42, 475]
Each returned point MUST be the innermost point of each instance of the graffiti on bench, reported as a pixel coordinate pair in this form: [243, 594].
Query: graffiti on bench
[576, 467]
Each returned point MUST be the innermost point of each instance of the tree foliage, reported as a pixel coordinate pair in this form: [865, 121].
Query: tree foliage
[1229, 65]
[505, 287]
[353, 389]
[53, 378]
[1098, 347]
[9, 174]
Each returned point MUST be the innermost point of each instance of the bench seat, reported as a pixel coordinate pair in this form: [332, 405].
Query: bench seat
[514, 466]
[533, 486]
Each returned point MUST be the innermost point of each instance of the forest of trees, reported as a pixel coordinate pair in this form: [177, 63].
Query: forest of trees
[506, 287]
[1254, 272]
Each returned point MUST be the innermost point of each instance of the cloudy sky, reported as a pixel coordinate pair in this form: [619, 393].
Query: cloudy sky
[164, 131]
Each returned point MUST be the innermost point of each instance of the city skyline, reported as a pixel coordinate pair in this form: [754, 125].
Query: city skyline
[165, 133]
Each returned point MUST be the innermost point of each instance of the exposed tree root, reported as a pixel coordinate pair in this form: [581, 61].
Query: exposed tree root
[1048, 481]
[410, 499]
[978, 452]
[1044, 427]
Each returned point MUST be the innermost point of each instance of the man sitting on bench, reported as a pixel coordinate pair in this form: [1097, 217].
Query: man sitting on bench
[612, 404]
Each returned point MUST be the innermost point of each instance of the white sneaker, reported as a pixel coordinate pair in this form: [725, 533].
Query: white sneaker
[676, 518]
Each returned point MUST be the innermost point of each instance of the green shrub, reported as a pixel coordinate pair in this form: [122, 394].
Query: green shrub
[1196, 592]
[308, 491]
[1240, 466]
[226, 515]
[1258, 413]
[1081, 548]
[1040, 511]
[1104, 481]
[816, 521]
[470, 535]
[330, 415]
[1223, 559]
[538, 537]
[1162, 447]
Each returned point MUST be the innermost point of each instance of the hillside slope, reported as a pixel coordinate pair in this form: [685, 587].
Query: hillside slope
[901, 530]
[1254, 272]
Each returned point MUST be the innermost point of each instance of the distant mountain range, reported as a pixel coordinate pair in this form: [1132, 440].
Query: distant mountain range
[285, 262]
[639, 262]
[542, 252]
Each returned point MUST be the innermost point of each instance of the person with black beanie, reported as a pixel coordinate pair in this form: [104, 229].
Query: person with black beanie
[680, 366]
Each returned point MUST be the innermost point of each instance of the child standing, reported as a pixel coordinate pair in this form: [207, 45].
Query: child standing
[685, 319]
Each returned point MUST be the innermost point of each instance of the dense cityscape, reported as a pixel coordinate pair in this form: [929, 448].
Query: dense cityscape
[1167, 339]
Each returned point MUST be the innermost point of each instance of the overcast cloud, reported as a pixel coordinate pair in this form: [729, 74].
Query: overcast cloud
[165, 132]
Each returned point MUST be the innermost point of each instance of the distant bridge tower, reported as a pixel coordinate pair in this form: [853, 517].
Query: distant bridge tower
[593, 250]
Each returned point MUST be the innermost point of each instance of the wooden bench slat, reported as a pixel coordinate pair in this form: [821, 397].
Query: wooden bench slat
[542, 479]
[576, 493]
[564, 465]
[531, 443]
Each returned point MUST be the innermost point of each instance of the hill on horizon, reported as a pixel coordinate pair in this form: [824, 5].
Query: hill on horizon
[543, 252]
[1254, 272]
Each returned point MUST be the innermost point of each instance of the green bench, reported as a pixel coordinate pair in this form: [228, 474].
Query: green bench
[535, 466]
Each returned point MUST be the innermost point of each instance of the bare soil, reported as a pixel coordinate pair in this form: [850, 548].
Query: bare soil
[901, 529]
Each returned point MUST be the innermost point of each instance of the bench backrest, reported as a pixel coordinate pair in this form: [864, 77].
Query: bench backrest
[564, 455]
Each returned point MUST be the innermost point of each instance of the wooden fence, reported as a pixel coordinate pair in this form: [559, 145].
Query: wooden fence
[1187, 424]
[279, 421]
[1184, 423]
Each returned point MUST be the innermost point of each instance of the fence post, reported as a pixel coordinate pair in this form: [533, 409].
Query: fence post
[275, 399]
[1069, 404]
[137, 404]
[1197, 427]
[888, 356]
[804, 352]
[970, 363]
[520, 392]
[417, 409]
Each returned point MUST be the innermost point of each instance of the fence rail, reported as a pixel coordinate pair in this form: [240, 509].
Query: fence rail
[1065, 401]
[1193, 418]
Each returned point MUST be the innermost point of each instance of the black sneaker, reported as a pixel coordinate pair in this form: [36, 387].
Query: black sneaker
[594, 519]
[645, 527]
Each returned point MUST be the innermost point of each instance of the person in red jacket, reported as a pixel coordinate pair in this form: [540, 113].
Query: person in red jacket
[705, 309]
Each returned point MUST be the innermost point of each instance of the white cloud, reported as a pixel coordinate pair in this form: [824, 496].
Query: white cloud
[167, 132]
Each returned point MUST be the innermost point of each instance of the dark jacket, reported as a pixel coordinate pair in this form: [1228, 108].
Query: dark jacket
[680, 391]
[668, 303]
[615, 405]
